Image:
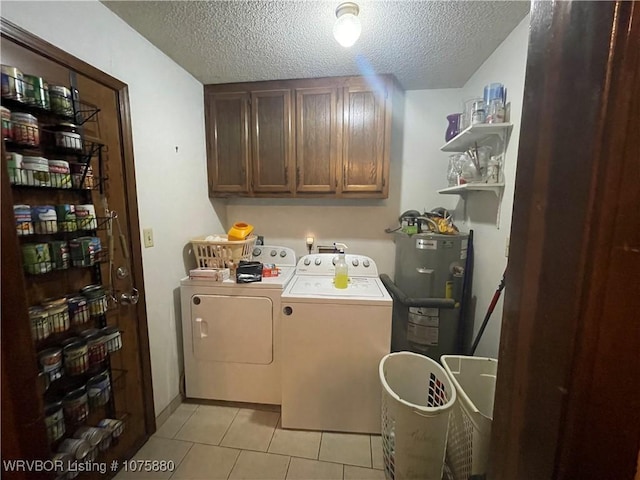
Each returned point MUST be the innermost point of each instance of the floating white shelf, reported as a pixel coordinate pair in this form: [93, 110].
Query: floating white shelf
[473, 187]
[476, 133]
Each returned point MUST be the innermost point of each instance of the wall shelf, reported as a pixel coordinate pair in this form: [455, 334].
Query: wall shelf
[473, 187]
[476, 133]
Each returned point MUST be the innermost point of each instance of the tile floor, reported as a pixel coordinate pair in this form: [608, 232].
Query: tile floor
[234, 442]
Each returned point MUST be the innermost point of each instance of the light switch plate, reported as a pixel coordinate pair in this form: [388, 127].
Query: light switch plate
[147, 233]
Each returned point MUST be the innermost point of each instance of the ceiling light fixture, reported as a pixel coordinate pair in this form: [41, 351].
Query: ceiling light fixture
[347, 27]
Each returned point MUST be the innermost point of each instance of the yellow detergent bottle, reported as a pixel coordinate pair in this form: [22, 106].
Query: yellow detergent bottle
[341, 276]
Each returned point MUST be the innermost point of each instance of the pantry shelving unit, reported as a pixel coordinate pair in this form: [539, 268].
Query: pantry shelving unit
[93, 374]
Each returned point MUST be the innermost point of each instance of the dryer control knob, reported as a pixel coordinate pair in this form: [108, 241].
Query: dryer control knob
[283, 253]
[256, 252]
[273, 253]
[318, 261]
[365, 263]
[307, 261]
[355, 262]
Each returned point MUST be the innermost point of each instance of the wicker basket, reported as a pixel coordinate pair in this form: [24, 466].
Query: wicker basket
[218, 253]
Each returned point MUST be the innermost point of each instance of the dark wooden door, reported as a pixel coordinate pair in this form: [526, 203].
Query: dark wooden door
[106, 133]
[567, 402]
[318, 139]
[228, 152]
[271, 141]
[363, 139]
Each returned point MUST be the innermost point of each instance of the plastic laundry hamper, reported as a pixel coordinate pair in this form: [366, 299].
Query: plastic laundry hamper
[417, 398]
[470, 426]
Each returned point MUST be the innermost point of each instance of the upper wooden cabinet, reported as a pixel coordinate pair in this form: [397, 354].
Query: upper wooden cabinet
[325, 137]
[317, 139]
[271, 141]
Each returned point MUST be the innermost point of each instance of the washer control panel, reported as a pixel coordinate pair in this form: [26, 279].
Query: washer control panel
[324, 264]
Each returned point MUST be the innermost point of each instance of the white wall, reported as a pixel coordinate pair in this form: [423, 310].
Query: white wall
[507, 66]
[166, 112]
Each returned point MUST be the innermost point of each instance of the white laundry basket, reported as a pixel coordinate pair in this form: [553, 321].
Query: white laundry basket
[417, 398]
[470, 427]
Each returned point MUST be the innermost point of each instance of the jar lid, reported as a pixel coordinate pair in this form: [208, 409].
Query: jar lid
[70, 341]
[54, 301]
[75, 394]
[25, 117]
[79, 299]
[88, 332]
[53, 407]
[50, 352]
[110, 330]
[40, 160]
[60, 89]
[56, 309]
[37, 312]
[101, 377]
[59, 163]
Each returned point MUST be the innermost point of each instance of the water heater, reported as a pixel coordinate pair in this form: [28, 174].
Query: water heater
[429, 270]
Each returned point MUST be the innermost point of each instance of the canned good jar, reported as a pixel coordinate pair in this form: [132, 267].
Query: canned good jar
[54, 421]
[61, 101]
[65, 135]
[12, 83]
[77, 447]
[51, 361]
[36, 171]
[36, 91]
[82, 176]
[76, 356]
[66, 216]
[40, 323]
[24, 225]
[78, 310]
[60, 173]
[44, 219]
[60, 254]
[97, 345]
[25, 129]
[7, 128]
[83, 251]
[58, 311]
[116, 427]
[86, 217]
[113, 338]
[96, 298]
[17, 176]
[36, 258]
[99, 390]
[93, 435]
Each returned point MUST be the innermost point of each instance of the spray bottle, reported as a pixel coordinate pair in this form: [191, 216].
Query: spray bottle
[341, 277]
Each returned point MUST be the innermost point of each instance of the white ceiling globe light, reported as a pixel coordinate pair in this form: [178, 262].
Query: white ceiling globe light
[347, 27]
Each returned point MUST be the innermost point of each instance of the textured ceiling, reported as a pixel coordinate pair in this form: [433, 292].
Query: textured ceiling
[426, 44]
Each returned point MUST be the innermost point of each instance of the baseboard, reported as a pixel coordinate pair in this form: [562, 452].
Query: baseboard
[168, 410]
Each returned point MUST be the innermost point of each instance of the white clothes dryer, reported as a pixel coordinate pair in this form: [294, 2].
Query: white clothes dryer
[231, 334]
[332, 341]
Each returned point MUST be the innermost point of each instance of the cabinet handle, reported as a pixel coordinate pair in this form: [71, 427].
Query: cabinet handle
[286, 175]
[297, 175]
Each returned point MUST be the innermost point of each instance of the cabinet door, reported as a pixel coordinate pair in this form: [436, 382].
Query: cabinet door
[271, 141]
[363, 140]
[317, 139]
[227, 120]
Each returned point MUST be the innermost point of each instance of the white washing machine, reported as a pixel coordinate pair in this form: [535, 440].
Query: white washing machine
[231, 334]
[332, 343]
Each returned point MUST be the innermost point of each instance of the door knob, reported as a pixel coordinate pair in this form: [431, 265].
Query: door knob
[130, 298]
